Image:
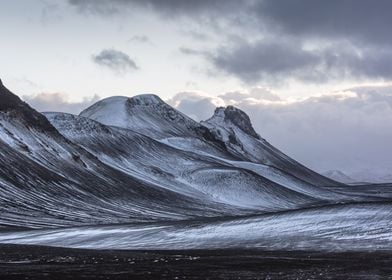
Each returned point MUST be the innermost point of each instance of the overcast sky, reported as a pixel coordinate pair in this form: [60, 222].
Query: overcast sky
[315, 76]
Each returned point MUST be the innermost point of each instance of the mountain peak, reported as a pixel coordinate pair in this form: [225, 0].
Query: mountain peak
[19, 110]
[339, 176]
[8, 99]
[146, 113]
[145, 100]
[237, 117]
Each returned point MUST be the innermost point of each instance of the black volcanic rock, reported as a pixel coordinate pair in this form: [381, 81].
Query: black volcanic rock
[8, 100]
[238, 118]
[146, 100]
[16, 108]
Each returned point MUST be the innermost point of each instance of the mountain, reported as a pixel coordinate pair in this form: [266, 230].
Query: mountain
[49, 181]
[359, 177]
[190, 173]
[132, 173]
[233, 127]
[375, 176]
[339, 176]
[146, 114]
[12, 108]
[89, 173]
[229, 129]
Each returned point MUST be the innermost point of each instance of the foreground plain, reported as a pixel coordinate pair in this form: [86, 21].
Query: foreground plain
[33, 262]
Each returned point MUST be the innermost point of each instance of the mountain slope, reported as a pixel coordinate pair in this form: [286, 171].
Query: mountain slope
[229, 133]
[94, 174]
[146, 114]
[352, 227]
[193, 174]
[339, 176]
[233, 127]
[48, 181]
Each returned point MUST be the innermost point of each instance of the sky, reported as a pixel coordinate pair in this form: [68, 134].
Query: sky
[315, 76]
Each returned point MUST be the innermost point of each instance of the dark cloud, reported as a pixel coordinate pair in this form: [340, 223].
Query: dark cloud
[279, 60]
[349, 39]
[115, 60]
[365, 20]
[253, 61]
[58, 102]
[165, 7]
[180, 7]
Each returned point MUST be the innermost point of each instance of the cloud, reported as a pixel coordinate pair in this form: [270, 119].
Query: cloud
[349, 130]
[58, 102]
[164, 7]
[279, 60]
[190, 51]
[255, 94]
[115, 60]
[304, 40]
[366, 20]
[101, 7]
[197, 35]
[254, 61]
[197, 105]
[140, 39]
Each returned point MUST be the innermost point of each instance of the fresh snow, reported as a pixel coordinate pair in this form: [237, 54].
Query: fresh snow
[339, 228]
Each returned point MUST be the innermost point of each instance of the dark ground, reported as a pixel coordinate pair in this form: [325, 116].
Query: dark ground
[33, 262]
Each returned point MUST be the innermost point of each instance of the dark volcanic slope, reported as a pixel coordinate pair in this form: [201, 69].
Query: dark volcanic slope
[14, 108]
[8, 100]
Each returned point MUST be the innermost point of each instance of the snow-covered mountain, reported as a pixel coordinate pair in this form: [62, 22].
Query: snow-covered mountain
[339, 176]
[372, 176]
[233, 127]
[360, 176]
[49, 181]
[146, 114]
[139, 167]
[190, 174]
[229, 129]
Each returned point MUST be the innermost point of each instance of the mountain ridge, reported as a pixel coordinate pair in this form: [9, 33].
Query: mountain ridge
[229, 129]
[236, 116]
[13, 107]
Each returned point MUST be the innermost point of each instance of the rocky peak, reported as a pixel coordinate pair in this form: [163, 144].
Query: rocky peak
[8, 100]
[237, 117]
[16, 109]
[145, 100]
